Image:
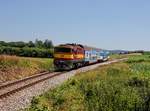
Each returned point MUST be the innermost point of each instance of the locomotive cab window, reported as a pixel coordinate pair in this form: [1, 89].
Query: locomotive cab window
[63, 50]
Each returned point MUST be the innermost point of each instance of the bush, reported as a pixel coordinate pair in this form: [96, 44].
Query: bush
[147, 53]
[30, 49]
[27, 52]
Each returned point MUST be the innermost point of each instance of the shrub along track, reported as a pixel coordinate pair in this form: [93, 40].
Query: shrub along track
[35, 85]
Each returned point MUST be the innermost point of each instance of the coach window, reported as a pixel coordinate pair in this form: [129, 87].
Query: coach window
[96, 55]
[87, 54]
[90, 55]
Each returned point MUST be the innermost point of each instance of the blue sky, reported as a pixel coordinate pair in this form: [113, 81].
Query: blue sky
[109, 24]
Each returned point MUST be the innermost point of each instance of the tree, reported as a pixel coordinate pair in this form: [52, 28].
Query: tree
[16, 44]
[2, 43]
[48, 44]
[31, 44]
[39, 43]
[28, 49]
[20, 44]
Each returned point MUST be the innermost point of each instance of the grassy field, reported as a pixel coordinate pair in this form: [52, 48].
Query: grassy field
[118, 87]
[118, 56]
[13, 67]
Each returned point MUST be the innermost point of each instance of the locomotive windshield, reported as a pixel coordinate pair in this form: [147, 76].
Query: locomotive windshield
[62, 50]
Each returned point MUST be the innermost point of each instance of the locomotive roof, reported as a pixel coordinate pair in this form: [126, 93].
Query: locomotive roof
[78, 45]
[69, 45]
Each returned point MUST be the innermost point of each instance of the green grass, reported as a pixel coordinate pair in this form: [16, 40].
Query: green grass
[44, 63]
[118, 56]
[118, 87]
[13, 67]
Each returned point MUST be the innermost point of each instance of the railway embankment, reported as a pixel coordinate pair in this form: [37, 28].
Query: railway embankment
[14, 68]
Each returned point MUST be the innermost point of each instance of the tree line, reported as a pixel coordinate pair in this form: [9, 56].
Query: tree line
[38, 48]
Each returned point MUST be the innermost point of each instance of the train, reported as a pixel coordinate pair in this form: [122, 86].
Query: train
[73, 56]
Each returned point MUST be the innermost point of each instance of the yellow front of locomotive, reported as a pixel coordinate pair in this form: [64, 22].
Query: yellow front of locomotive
[63, 57]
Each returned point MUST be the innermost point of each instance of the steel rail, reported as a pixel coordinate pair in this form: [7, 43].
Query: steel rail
[24, 79]
[27, 85]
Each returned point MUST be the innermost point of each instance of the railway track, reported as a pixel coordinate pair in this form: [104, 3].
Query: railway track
[15, 86]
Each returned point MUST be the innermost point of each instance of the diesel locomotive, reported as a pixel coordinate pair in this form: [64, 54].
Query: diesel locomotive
[70, 56]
